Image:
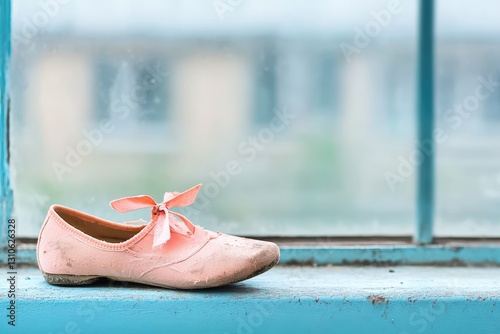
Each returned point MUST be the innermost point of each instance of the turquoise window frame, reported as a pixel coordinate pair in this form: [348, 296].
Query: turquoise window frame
[5, 189]
[424, 249]
[425, 124]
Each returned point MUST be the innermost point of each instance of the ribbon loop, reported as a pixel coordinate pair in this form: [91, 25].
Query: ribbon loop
[161, 214]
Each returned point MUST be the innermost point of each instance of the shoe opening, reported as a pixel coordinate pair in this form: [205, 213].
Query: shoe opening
[96, 227]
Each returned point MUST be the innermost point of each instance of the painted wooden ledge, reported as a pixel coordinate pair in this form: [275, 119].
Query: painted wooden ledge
[337, 299]
[323, 253]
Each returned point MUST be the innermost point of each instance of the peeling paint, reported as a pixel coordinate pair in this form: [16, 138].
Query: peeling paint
[383, 255]
[376, 299]
[339, 299]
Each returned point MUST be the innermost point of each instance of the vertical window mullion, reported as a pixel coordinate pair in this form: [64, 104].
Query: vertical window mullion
[5, 190]
[425, 110]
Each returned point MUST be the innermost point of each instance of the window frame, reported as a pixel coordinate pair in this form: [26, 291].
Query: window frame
[5, 189]
[425, 123]
[423, 249]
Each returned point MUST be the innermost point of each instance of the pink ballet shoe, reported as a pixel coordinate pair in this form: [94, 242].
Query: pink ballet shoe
[75, 248]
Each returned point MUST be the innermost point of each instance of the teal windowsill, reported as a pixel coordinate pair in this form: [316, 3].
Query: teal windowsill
[445, 253]
[287, 299]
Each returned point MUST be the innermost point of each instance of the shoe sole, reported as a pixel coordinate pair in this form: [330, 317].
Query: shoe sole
[76, 280]
[56, 279]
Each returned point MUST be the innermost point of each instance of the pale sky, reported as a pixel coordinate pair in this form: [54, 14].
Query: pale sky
[200, 17]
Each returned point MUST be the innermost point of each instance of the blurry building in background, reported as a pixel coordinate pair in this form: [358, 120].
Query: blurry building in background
[181, 103]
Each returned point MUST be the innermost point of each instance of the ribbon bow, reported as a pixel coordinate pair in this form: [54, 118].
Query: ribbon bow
[161, 212]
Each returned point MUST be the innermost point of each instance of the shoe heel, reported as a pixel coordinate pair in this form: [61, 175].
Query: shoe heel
[69, 279]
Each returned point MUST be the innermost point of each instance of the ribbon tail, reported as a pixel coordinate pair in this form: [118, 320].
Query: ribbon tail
[185, 198]
[127, 204]
[161, 233]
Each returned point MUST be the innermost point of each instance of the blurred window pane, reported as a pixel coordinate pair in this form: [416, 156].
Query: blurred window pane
[468, 112]
[292, 114]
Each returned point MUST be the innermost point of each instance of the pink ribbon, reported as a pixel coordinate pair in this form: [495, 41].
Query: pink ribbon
[161, 213]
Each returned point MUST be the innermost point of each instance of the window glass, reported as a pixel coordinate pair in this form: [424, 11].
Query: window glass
[468, 114]
[297, 117]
